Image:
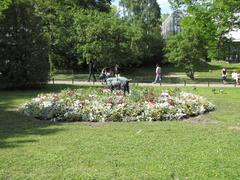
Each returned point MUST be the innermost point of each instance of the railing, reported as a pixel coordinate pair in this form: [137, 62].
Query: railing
[161, 83]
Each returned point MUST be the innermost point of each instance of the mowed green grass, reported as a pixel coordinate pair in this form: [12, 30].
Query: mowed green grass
[206, 147]
[205, 72]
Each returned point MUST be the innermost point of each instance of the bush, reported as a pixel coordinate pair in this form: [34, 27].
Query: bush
[23, 47]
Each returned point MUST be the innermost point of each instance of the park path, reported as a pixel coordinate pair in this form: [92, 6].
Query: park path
[147, 84]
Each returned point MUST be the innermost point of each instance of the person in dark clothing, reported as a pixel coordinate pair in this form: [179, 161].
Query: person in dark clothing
[224, 75]
[92, 71]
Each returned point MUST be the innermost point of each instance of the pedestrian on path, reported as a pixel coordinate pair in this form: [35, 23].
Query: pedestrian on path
[117, 71]
[158, 72]
[92, 71]
[235, 77]
[224, 75]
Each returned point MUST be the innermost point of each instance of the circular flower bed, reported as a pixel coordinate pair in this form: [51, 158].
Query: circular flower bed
[100, 105]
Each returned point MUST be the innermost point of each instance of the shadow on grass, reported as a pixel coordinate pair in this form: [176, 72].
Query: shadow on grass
[18, 127]
[11, 99]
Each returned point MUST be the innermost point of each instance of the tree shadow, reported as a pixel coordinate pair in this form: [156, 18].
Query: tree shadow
[15, 125]
[17, 129]
[10, 99]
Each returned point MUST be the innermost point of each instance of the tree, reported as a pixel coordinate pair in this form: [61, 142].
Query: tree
[72, 29]
[24, 48]
[106, 39]
[147, 15]
[185, 50]
[100, 5]
[4, 5]
[214, 17]
[60, 29]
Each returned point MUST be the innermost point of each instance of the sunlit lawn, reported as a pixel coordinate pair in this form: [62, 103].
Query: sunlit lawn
[206, 147]
[206, 72]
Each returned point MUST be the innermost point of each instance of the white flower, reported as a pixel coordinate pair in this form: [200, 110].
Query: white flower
[47, 104]
[164, 94]
[103, 105]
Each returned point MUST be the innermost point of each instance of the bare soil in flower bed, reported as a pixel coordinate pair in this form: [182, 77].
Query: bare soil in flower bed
[102, 105]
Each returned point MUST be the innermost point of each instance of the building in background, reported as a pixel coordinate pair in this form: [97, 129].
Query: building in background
[233, 47]
[171, 25]
[229, 51]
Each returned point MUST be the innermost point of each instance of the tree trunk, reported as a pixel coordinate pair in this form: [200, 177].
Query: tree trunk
[190, 74]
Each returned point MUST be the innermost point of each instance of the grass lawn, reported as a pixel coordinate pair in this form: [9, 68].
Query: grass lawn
[206, 72]
[206, 147]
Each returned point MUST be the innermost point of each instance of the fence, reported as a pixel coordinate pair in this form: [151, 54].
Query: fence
[161, 83]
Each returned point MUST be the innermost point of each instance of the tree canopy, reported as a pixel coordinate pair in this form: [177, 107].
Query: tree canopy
[79, 31]
[23, 47]
[204, 31]
[147, 15]
[215, 18]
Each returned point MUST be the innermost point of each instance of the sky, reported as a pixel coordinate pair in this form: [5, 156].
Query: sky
[165, 7]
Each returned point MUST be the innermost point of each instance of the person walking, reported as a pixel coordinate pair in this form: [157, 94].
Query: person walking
[158, 74]
[92, 70]
[117, 71]
[235, 77]
[224, 75]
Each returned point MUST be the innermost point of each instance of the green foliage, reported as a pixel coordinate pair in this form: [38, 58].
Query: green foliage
[106, 39]
[78, 33]
[24, 47]
[204, 34]
[147, 15]
[4, 5]
[214, 18]
[186, 50]
[100, 5]
[147, 12]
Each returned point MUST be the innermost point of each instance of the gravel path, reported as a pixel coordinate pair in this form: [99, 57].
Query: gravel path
[146, 84]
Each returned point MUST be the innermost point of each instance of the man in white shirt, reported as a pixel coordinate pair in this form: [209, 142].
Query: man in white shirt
[235, 77]
[158, 74]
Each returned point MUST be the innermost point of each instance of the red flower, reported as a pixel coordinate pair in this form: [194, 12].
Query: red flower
[110, 101]
[55, 97]
[152, 100]
[121, 101]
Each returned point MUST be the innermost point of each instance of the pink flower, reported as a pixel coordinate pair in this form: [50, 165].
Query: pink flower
[110, 101]
[79, 102]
